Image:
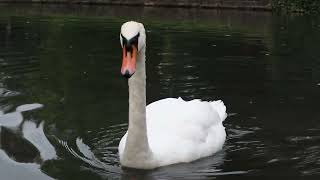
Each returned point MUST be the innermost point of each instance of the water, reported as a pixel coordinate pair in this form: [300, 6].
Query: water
[63, 104]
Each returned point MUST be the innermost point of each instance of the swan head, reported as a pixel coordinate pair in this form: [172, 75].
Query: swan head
[133, 41]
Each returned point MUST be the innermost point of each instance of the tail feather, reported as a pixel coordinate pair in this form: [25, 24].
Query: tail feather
[220, 108]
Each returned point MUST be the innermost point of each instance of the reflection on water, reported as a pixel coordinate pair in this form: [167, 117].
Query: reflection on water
[23, 150]
[11, 119]
[264, 67]
[11, 169]
[36, 136]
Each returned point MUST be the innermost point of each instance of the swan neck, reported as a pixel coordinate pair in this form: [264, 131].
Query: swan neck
[137, 146]
[137, 95]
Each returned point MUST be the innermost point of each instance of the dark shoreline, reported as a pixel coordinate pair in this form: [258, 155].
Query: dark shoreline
[213, 4]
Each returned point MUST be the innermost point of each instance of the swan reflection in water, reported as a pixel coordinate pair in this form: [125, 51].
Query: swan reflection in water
[19, 135]
[33, 142]
[24, 147]
[104, 162]
[109, 170]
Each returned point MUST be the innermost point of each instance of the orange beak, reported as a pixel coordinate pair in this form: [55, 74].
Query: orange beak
[129, 59]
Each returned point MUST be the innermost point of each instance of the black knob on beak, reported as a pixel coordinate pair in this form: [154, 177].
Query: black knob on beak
[127, 74]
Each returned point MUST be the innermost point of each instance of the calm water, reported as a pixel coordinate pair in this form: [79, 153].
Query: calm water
[63, 104]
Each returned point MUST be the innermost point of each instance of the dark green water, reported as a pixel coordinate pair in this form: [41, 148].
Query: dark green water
[264, 67]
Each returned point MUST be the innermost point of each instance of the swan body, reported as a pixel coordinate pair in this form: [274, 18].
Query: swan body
[167, 131]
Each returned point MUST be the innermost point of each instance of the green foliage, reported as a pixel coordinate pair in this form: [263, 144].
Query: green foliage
[311, 7]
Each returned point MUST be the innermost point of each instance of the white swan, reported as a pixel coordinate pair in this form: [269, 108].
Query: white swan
[167, 131]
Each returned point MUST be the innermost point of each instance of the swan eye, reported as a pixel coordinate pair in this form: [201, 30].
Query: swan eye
[135, 39]
[124, 40]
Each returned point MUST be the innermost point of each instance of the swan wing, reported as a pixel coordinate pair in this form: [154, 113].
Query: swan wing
[182, 131]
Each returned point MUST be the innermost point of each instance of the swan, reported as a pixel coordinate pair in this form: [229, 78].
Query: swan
[167, 131]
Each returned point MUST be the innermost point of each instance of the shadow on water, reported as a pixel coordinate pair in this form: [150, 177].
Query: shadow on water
[264, 67]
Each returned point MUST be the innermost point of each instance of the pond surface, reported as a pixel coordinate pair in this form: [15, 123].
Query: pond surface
[63, 103]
